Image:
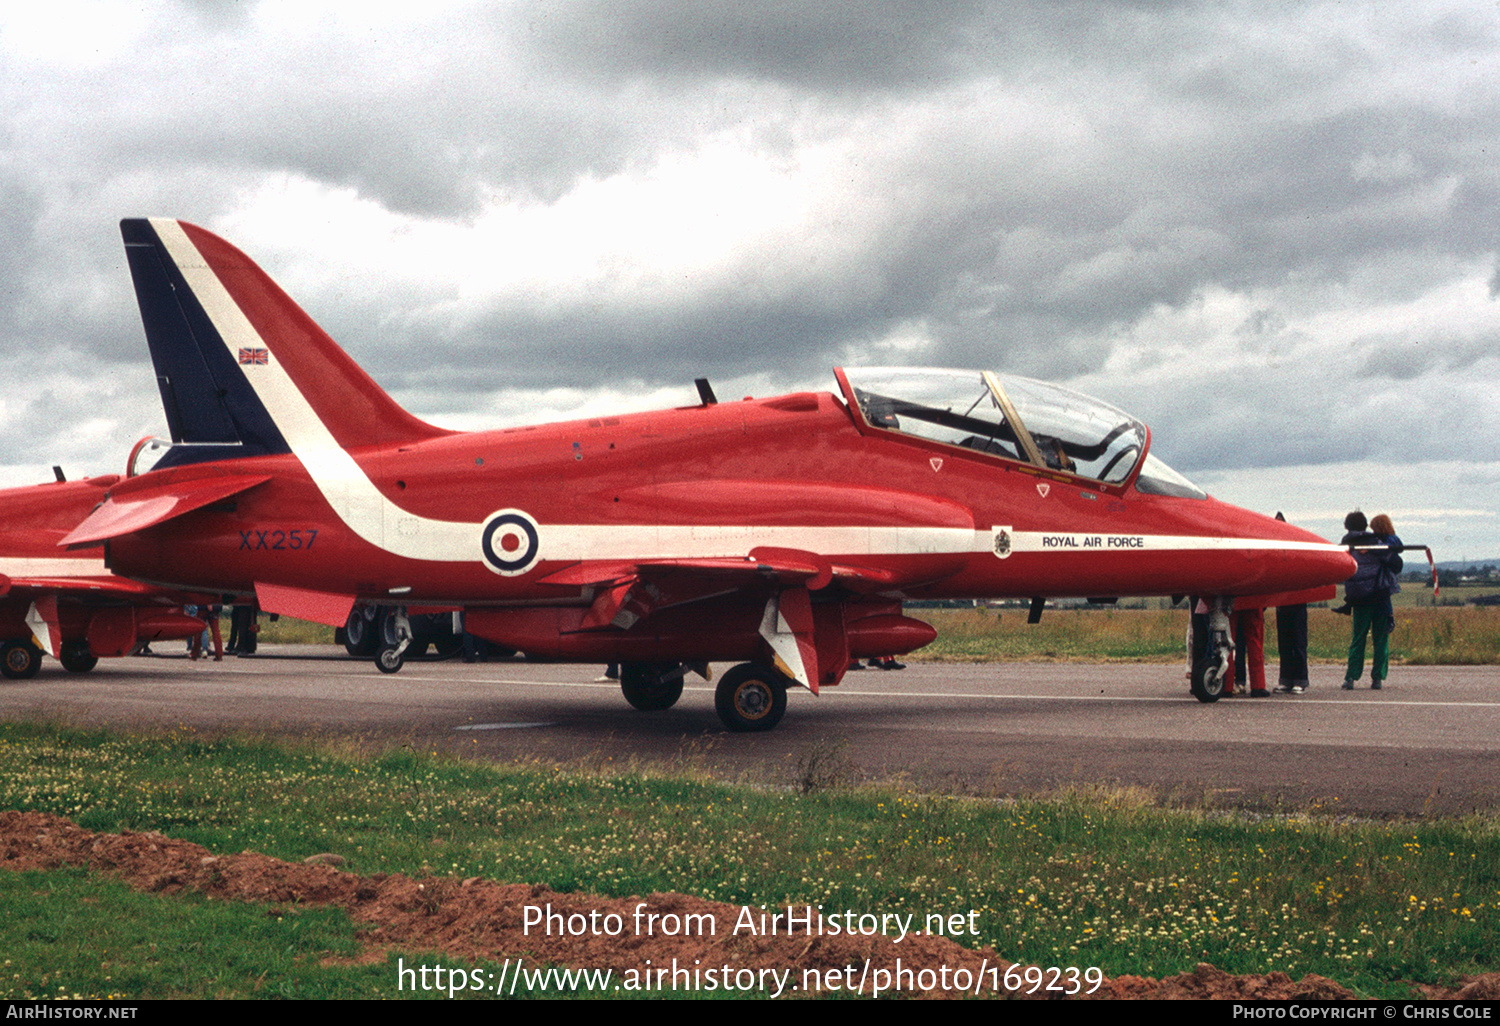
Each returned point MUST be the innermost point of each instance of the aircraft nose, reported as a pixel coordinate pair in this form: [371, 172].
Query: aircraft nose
[1310, 561]
[1333, 566]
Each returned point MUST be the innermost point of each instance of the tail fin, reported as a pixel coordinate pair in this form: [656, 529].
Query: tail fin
[243, 371]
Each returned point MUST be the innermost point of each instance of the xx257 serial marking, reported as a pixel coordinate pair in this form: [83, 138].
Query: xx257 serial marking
[277, 540]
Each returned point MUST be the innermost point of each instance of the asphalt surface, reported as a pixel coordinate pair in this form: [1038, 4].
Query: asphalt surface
[1428, 744]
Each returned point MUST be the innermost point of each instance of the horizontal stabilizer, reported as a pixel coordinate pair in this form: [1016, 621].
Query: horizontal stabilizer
[146, 507]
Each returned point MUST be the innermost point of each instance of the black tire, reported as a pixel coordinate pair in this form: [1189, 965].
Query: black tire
[360, 634]
[389, 660]
[651, 687]
[385, 616]
[76, 657]
[19, 660]
[750, 698]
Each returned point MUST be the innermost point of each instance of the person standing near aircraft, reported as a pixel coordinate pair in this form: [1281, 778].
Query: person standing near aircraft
[242, 630]
[1250, 652]
[1291, 643]
[1376, 551]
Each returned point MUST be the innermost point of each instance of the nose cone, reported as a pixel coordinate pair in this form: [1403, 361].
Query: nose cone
[1280, 557]
[1320, 563]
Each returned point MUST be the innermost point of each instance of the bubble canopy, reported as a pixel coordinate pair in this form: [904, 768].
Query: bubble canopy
[1013, 418]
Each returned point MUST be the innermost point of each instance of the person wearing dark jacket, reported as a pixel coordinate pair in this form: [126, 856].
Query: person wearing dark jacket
[1291, 642]
[1377, 558]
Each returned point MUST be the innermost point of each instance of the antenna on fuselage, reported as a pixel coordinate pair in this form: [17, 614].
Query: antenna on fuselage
[705, 391]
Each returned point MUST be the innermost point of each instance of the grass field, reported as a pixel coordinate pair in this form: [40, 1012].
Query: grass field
[1107, 879]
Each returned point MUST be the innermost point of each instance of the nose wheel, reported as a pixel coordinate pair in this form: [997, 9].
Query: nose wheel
[1213, 652]
[392, 653]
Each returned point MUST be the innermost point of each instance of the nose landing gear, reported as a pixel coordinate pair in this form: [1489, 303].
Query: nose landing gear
[1213, 650]
[392, 654]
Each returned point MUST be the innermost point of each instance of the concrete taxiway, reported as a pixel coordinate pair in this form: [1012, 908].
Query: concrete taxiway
[1428, 744]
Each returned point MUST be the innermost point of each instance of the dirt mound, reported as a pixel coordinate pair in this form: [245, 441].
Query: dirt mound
[727, 947]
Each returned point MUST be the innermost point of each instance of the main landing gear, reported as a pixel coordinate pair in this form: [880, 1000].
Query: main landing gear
[19, 660]
[362, 631]
[651, 687]
[750, 697]
[76, 657]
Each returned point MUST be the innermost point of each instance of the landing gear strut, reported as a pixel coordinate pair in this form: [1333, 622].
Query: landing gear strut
[393, 654]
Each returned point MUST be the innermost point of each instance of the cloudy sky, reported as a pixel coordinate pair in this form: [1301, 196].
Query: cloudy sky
[1268, 230]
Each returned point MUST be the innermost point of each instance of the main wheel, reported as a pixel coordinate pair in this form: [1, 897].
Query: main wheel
[650, 687]
[750, 697]
[76, 657]
[360, 633]
[20, 660]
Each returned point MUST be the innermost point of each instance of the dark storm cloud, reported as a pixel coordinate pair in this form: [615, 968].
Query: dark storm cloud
[834, 45]
[1410, 356]
[722, 341]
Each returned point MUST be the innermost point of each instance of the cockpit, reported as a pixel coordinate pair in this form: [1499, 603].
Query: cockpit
[1013, 418]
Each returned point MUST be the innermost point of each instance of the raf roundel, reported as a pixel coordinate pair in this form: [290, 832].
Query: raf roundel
[510, 542]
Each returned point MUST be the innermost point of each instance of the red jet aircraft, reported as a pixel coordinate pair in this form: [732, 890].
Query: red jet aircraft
[69, 601]
[784, 533]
